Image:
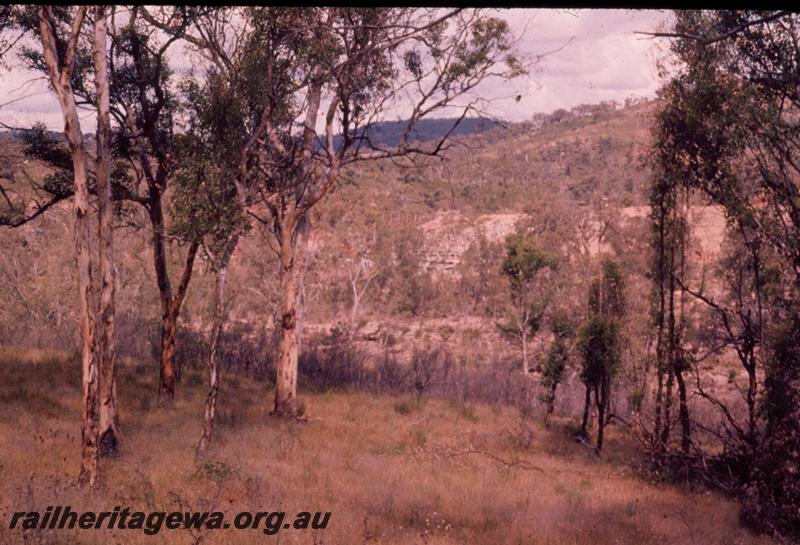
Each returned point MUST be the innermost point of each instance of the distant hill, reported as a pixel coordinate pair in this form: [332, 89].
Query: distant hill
[384, 133]
[576, 156]
[388, 133]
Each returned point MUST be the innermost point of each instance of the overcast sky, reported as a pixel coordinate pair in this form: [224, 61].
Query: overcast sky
[595, 56]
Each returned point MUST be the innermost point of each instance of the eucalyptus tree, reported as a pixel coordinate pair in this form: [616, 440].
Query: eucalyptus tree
[600, 343]
[303, 85]
[206, 209]
[60, 69]
[557, 361]
[669, 200]
[147, 109]
[734, 136]
[59, 32]
[145, 106]
[108, 432]
[526, 266]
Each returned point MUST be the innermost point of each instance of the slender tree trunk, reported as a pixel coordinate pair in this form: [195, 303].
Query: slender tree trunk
[601, 399]
[356, 300]
[90, 389]
[354, 312]
[166, 380]
[586, 408]
[524, 351]
[60, 78]
[677, 333]
[551, 402]
[213, 360]
[752, 391]
[660, 353]
[301, 253]
[752, 378]
[167, 375]
[667, 416]
[286, 367]
[170, 305]
[683, 412]
[671, 340]
[659, 401]
[109, 434]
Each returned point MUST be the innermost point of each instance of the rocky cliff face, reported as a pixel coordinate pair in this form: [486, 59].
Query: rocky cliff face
[449, 234]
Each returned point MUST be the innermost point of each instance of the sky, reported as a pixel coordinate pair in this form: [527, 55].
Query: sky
[591, 56]
[594, 55]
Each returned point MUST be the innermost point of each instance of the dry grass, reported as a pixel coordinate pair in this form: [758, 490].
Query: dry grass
[391, 470]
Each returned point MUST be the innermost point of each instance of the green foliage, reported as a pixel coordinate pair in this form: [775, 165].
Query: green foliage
[524, 266]
[413, 288]
[772, 498]
[558, 357]
[45, 146]
[523, 262]
[524, 259]
[600, 346]
[607, 294]
[729, 129]
[600, 337]
[205, 200]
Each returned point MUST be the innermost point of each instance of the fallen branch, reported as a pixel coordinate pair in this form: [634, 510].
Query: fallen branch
[509, 464]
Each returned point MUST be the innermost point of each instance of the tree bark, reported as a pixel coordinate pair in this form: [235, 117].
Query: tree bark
[301, 267]
[752, 391]
[167, 374]
[683, 412]
[108, 432]
[213, 361]
[166, 379]
[551, 403]
[667, 408]
[60, 79]
[286, 367]
[524, 350]
[601, 399]
[170, 309]
[660, 354]
[677, 333]
[586, 407]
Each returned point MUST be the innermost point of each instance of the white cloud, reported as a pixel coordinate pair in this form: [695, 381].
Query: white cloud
[599, 58]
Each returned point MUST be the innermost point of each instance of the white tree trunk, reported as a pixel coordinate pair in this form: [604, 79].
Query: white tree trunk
[213, 364]
[108, 432]
[288, 349]
[213, 359]
[60, 79]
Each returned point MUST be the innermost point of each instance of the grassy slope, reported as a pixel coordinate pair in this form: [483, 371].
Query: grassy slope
[506, 170]
[389, 470]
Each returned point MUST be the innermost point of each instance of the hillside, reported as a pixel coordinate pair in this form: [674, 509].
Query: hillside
[573, 158]
[390, 469]
[429, 236]
[388, 133]
[403, 321]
